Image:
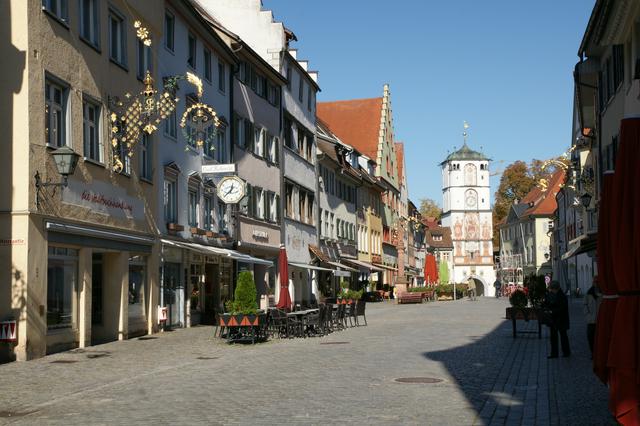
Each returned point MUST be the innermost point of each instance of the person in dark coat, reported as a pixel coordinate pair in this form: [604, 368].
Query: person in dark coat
[556, 302]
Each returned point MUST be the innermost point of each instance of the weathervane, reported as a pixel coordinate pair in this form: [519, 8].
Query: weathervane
[465, 134]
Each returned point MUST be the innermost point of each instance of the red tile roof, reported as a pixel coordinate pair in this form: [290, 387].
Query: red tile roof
[356, 122]
[400, 158]
[544, 203]
[444, 234]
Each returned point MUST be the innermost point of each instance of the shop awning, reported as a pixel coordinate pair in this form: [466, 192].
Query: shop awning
[343, 266]
[363, 265]
[585, 245]
[335, 272]
[388, 268]
[218, 251]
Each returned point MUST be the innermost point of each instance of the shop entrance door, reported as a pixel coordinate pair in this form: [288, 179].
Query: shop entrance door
[211, 292]
[173, 294]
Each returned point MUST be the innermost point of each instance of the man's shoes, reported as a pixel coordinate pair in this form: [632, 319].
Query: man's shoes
[552, 356]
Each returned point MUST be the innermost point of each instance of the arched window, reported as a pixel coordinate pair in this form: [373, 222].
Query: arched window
[470, 173]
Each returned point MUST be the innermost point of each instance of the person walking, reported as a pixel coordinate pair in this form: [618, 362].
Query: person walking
[556, 302]
[590, 309]
[471, 289]
[497, 285]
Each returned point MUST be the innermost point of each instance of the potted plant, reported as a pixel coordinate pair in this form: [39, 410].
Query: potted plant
[519, 300]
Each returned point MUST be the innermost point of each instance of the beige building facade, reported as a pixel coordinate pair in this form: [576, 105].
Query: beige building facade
[79, 262]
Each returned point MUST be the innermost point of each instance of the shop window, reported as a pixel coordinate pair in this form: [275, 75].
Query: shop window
[62, 273]
[137, 280]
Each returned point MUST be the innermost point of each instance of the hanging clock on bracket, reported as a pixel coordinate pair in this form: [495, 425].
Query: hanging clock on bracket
[231, 189]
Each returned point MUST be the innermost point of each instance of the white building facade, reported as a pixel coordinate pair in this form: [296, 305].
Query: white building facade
[467, 211]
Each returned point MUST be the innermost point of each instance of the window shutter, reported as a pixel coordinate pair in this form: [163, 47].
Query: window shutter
[256, 201]
[249, 200]
[267, 205]
[248, 135]
[276, 141]
[277, 199]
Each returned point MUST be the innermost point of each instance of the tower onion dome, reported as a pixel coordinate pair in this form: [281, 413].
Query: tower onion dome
[465, 154]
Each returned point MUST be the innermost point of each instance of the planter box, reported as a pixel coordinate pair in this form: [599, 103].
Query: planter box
[244, 327]
[525, 314]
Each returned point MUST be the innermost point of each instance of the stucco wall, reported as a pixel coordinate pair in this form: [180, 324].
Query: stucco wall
[298, 236]
[299, 170]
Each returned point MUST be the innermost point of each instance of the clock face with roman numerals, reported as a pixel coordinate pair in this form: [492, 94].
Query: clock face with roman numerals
[231, 189]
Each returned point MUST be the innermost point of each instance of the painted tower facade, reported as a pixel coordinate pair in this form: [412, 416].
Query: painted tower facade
[466, 208]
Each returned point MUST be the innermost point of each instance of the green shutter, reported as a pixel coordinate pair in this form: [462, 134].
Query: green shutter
[249, 198]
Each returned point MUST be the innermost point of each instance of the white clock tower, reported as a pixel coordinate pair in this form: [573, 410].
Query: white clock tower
[466, 209]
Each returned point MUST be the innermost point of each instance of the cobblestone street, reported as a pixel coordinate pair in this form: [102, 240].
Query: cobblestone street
[188, 377]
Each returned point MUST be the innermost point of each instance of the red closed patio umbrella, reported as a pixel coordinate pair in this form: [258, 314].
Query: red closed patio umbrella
[430, 269]
[606, 282]
[284, 300]
[624, 355]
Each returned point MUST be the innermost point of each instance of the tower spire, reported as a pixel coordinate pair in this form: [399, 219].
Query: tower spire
[465, 134]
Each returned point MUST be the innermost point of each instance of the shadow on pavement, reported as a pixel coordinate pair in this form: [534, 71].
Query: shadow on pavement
[510, 381]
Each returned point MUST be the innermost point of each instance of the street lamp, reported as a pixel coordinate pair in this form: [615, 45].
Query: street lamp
[65, 160]
[585, 199]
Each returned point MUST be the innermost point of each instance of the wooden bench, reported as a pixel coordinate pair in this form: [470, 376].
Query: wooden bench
[410, 297]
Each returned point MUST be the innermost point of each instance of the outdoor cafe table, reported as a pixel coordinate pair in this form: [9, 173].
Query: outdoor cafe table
[302, 313]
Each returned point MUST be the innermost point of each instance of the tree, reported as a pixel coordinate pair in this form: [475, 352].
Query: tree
[245, 295]
[515, 183]
[429, 208]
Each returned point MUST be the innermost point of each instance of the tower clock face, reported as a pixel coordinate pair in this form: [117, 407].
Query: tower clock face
[471, 199]
[231, 189]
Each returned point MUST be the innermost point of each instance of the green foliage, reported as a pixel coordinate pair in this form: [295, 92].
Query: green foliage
[352, 294]
[518, 299]
[447, 290]
[430, 208]
[245, 295]
[417, 289]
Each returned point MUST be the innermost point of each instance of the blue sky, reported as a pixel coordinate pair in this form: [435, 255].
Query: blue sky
[505, 66]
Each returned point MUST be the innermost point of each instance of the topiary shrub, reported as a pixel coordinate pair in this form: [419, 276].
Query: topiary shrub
[245, 295]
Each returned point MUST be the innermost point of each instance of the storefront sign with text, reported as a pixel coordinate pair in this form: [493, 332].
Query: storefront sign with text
[103, 198]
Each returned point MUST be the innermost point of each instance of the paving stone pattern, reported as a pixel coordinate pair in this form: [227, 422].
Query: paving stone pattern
[189, 377]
